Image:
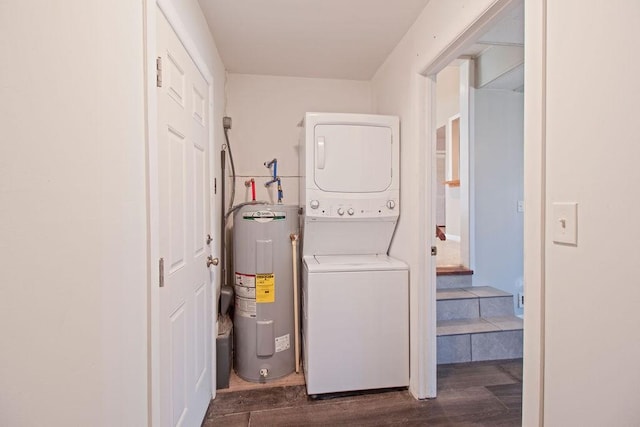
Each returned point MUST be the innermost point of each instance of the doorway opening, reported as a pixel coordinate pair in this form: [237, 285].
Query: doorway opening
[478, 114]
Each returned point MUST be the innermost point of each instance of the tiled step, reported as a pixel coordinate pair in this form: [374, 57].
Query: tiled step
[480, 346]
[473, 302]
[448, 277]
[477, 323]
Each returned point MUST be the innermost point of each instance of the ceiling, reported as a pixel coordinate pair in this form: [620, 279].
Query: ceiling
[341, 39]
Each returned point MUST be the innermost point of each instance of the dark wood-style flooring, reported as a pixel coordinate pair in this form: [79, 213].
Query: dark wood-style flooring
[478, 394]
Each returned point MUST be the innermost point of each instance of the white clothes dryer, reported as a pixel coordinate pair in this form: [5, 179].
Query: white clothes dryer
[349, 183]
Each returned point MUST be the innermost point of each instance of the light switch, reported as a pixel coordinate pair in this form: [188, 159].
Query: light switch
[565, 223]
[520, 207]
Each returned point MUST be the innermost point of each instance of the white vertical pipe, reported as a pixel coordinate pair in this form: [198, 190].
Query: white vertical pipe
[296, 325]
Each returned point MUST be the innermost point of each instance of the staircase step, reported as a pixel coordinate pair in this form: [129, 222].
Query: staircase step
[496, 306]
[496, 345]
[476, 323]
[453, 276]
[451, 309]
[473, 302]
[470, 292]
[453, 270]
[470, 340]
[464, 326]
[453, 281]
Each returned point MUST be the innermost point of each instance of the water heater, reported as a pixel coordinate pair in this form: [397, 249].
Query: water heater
[264, 314]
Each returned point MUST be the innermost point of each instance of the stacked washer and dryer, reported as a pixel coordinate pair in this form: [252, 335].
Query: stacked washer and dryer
[355, 298]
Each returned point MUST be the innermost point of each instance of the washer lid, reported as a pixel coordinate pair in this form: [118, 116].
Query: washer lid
[328, 263]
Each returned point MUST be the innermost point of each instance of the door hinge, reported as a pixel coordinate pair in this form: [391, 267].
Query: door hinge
[215, 186]
[434, 250]
[159, 71]
[161, 272]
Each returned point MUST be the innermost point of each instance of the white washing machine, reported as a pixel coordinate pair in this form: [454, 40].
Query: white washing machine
[355, 298]
[355, 323]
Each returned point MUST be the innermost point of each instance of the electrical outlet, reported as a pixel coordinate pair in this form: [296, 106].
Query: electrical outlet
[520, 299]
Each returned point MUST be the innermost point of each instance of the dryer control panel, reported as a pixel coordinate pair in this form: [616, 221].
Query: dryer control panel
[346, 209]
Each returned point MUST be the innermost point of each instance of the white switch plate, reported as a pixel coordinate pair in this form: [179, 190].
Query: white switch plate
[565, 223]
[520, 206]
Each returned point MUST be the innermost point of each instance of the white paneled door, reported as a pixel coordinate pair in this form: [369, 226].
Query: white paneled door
[183, 176]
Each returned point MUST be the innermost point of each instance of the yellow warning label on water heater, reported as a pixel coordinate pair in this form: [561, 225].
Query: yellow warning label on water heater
[265, 287]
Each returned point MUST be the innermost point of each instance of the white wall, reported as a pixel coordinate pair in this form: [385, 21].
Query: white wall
[498, 170]
[592, 290]
[266, 111]
[397, 88]
[73, 216]
[447, 94]
[452, 197]
[447, 106]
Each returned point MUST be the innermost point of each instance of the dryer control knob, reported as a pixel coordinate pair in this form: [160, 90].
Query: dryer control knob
[350, 211]
[340, 211]
[314, 204]
[391, 204]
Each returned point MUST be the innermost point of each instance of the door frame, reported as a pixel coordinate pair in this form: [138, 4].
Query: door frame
[153, 228]
[535, 31]
[534, 187]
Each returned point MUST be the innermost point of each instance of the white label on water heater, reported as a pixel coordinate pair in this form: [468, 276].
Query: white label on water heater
[245, 307]
[245, 285]
[246, 280]
[282, 343]
[243, 292]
